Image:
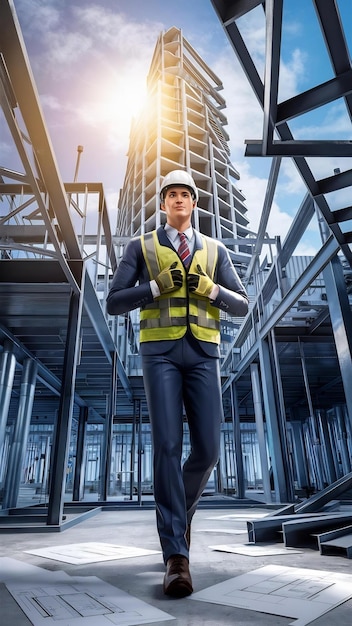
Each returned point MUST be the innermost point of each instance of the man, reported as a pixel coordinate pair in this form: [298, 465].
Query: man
[183, 282]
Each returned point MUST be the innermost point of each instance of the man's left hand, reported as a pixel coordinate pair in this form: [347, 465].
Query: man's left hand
[200, 284]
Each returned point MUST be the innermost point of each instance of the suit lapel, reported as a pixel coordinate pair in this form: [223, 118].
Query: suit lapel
[163, 238]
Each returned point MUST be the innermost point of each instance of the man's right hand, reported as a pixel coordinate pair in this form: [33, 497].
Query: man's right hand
[169, 279]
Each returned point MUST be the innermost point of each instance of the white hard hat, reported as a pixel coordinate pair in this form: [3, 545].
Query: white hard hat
[178, 178]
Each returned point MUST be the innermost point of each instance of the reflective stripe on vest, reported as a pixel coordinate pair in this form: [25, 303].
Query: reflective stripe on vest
[170, 315]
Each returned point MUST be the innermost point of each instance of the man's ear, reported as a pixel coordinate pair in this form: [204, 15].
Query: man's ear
[162, 206]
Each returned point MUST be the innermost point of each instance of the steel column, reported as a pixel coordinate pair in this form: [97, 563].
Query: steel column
[64, 418]
[257, 402]
[316, 455]
[327, 447]
[20, 434]
[78, 481]
[282, 419]
[305, 378]
[273, 16]
[107, 438]
[299, 454]
[342, 434]
[278, 452]
[237, 442]
[133, 448]
[7, 374]
[139, 453]
[341, 322]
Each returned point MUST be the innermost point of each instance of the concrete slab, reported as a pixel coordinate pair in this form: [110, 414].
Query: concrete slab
[142, 576]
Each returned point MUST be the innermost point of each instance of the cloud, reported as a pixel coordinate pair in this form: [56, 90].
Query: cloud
[328, 122]
[292, 74]
[91, 64]
[243, 112]
[254, 189]
[252, 29]
[67, 49]
[245, 121]
[116, 31]
[291, 181]
[307, 248]
[46, 12]
[50, 102]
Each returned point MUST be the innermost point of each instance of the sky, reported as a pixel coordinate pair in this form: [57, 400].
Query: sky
[90, 60]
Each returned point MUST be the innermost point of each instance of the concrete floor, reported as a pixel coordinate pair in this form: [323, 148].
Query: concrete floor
[142, 576]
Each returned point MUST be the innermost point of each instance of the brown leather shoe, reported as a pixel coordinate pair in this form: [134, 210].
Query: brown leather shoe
[177, 579]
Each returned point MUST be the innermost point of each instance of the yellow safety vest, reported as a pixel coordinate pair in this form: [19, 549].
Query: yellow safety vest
[171, 314]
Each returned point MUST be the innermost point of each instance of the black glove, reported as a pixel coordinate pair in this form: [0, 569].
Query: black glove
[169, 279]
[200, 284]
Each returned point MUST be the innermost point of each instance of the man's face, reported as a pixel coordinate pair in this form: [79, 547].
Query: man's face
[178, 205]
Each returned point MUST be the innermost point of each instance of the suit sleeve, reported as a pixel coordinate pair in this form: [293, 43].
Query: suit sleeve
[232, 296]
[125, 294]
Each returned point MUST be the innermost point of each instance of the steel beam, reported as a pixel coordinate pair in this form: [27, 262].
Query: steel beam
[340, 538]
[230, 10]
[287, 146]
[331, 27]
[273, 19]
[18, 66]
[270, 528]
[299, 148]
[264, 217]
[301, 532]
[96, 316]
[321, 259]
[317, 501]
[314, 98]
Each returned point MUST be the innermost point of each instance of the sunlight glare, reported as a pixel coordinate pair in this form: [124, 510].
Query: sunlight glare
[114, 104]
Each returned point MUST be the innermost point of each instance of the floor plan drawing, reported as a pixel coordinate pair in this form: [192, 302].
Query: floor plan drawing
[91, 552]
[302, 594]
[251, 549]
[53, 598]
[82, 601]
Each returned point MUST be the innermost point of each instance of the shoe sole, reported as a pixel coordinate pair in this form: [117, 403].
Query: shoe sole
[178, 589]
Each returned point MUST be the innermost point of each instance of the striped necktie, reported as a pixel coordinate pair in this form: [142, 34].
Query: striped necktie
[183, 250]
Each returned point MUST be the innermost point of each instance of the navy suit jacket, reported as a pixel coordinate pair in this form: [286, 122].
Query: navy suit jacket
[130, 289]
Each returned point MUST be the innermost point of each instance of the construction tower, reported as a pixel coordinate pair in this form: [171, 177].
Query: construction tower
[181, 126]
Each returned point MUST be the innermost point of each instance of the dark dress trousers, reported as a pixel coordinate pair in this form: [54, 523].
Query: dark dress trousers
[178, 375]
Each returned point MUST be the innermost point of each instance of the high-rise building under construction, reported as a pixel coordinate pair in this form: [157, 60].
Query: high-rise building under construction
[182, 127]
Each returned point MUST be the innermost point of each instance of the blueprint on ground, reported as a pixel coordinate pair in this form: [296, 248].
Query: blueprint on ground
[240, 520]
[240, 517]
[91, 552]
[251, 549]
[302, 594]
[56, 599]
[221, 531]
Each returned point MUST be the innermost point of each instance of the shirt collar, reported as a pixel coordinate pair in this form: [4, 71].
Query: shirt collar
[172, 232]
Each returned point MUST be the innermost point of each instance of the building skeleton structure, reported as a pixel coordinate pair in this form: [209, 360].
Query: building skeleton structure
[71, 375]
